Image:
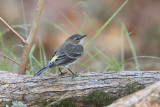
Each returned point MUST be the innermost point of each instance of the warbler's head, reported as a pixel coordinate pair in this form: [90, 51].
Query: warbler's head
[76, 39]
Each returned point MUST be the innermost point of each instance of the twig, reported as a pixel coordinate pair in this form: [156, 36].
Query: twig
[31, 37]
[9, 58]
[20, 37]
[16, 26]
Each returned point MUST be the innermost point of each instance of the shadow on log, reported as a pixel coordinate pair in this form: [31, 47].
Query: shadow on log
[52, 89]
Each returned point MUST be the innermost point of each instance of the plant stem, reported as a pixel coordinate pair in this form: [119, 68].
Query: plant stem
[20, 37]
[30, 38]
[9, 58]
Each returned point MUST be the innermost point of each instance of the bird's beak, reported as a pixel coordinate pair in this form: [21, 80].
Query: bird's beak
[81, 41]
[83, 36]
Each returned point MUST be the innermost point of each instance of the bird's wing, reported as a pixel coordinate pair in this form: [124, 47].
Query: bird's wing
[68, 54]
[74, 51]
[53, 55]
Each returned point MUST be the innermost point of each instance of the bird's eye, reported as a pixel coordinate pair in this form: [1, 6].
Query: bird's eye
[76, 38]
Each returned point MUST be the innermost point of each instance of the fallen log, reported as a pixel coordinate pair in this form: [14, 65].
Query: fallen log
[50, 88]
[148, 97]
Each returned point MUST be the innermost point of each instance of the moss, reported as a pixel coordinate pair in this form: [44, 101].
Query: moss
[129, 89]
[37, 101]
[67, 103]
[134, 87]
[98, 98]
[42, 103]
[45, 103]
[23, 97]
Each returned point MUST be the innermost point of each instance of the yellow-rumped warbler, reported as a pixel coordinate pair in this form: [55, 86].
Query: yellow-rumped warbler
[67, 54]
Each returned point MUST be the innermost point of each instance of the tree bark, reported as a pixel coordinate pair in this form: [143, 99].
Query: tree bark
[148, 97]
[46, 88]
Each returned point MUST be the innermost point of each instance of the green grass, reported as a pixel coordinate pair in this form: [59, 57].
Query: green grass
[34, 63]
[122, 48]
[111, 62]
[103, 61]
[24, 18]
[1, 40]
[58, 27]
[5, 63]
[132, 47]
[105, 24]
[70, 22]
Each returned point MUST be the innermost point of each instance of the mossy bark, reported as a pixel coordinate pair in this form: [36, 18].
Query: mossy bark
[100, 98]
[83, 88]
[148, 97]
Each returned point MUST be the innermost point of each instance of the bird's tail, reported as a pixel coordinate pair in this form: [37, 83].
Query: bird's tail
[41, 71]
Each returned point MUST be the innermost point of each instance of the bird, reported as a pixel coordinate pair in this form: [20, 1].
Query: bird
[66, 55]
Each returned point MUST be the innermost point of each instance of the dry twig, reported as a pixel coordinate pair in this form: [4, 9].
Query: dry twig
[30, 38]
[20, 37]
[9, 58]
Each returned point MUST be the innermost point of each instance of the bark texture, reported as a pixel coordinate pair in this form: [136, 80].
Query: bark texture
[42, 89]
[148, 97]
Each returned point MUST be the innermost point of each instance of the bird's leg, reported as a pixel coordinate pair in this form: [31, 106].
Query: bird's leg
[70, 71]
[61, 73]
[60, 70]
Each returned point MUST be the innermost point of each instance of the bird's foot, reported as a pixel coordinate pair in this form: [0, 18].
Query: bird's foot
[74, 75]
[61, 74]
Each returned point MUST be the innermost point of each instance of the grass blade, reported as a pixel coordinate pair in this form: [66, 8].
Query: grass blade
[107, 22]
[58, 27]
[122, 48]
[70, 22]
[132, 47]
[24, 18]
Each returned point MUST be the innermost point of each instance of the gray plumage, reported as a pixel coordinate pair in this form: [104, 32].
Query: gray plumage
[67, 54]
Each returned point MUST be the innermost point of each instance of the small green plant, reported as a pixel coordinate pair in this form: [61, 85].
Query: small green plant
[5, 63]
